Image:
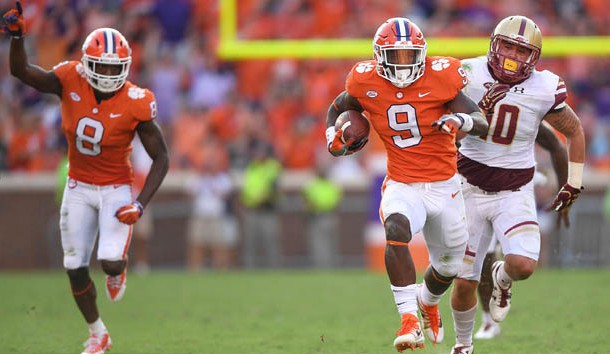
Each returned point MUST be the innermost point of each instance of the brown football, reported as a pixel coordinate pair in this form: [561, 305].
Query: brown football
[353, 125]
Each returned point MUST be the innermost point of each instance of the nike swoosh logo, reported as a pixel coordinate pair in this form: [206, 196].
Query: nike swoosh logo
[453, 195]
[112, 115]
[423, 94]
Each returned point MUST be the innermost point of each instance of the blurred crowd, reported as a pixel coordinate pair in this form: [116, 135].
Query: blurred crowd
[215, 110]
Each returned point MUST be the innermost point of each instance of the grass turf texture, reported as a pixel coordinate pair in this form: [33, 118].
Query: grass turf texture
[300, 312]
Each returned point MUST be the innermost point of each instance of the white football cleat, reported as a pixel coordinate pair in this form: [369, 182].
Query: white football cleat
[488, 330]
[499, 304]
[97, 344]
[431, 319]
[410, 335]
[462, 349]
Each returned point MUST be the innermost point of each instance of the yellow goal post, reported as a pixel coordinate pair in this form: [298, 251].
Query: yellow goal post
[232, 48]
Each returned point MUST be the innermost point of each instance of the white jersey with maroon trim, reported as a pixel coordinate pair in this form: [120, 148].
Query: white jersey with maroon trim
[514, 125]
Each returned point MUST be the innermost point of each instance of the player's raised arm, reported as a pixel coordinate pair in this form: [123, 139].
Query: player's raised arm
[466, 117]
[335, 145]
[32, 75]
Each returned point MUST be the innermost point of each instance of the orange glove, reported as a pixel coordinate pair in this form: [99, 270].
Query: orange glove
[14, 24]
[130, 213]
[335, 144]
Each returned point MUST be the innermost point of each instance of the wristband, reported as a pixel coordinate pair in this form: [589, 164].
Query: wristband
[467, 122]
[575, 170]
[140, 207]
[330, 135]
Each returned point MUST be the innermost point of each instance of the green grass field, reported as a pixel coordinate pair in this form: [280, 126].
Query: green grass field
[300, 312]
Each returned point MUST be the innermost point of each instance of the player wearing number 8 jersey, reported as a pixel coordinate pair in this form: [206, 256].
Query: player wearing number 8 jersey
[498, 167]
[101, 113]
[413, 103]
[99, 135]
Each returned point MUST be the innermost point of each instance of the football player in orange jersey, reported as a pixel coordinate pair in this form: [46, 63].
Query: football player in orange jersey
[101, 113]
[415, 104]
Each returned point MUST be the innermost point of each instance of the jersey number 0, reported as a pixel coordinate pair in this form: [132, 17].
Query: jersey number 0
[505, 126]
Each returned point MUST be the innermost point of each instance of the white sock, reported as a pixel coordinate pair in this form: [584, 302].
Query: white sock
[97, 327]
[427, 297]
[487, 317]
[405, 298]
[463, 322]
[504, 280]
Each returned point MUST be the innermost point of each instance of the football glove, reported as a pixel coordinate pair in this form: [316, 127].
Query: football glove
[13, 22]
[565, 197]
[337, 147]
[493, 95]
[451, 123]
[130, 213]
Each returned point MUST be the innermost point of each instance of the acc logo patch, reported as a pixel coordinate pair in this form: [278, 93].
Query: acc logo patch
[74, 96]
[364, 67]
[440, 64]
[372, 93]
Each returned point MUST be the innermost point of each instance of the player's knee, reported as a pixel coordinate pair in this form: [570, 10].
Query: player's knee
[464, 294]
[79, 278]
[113, 268]
[73, 262]
[464, 288]
[397, 228]
[446, 270]
[521, 267]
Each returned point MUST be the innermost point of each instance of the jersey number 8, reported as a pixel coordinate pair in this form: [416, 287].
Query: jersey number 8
[89, 134]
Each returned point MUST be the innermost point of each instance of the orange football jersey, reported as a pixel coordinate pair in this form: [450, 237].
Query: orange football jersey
[403, 117]
[99, 135]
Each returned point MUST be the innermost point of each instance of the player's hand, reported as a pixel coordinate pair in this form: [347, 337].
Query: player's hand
[130, 213]
[493, 95]
[358, 145]
[564, 198]
[337, 147]
[13, 22]
[450, 123]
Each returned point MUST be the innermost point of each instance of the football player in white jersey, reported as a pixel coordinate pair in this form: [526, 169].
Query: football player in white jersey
[547, 139]
[498, 167]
